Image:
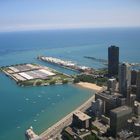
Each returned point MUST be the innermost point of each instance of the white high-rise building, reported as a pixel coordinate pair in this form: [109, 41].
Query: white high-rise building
[124, 78]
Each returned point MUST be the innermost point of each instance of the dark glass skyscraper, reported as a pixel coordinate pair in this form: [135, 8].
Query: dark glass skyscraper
[113, 60]
[138, 86]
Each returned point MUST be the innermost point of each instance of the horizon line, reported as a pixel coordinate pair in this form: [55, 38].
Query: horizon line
[67, 28]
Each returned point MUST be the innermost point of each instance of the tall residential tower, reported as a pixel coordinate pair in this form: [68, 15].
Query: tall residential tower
[113, 60]
[138, 86]
[124, 78]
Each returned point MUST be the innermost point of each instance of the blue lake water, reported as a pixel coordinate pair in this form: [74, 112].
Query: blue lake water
[43, 106]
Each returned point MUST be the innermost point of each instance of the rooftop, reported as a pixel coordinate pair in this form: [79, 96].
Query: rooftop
[108, 96]
[125, 134]
[112, 79]
[82, 116]
[69, 131]
[121, 109]
[137, 103]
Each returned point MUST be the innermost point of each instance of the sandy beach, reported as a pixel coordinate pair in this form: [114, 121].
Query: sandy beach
[89, 86]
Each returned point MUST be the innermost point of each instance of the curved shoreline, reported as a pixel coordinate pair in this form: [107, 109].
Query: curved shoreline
[55, 129]
[58, 127]
[89, 86]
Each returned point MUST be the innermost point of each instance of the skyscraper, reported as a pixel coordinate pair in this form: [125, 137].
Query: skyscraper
[133, 77]
[111, 84]
[124, 78]
[138, 86]
[113, 60]
[118, 119]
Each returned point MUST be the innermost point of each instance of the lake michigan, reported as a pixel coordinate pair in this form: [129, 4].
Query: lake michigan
[40, 107]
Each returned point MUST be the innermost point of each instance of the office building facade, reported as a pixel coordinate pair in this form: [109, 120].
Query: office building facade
[124, 78]
[118, 119]
[81, 120]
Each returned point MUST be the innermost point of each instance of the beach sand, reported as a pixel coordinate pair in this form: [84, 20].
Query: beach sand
[89, 86]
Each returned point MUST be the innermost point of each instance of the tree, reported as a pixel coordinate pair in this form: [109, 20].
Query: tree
[64, 81]
[52, 82]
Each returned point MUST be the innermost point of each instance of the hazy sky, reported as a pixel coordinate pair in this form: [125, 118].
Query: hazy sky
[52, 14]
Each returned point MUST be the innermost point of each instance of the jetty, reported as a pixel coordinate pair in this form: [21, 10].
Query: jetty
[65, 64]
[30, 134]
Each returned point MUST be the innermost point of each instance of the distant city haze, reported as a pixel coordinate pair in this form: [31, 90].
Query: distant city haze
[21, 15]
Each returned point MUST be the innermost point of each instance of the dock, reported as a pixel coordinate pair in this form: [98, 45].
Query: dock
[35, 75]
[30, 134]
[65, 64]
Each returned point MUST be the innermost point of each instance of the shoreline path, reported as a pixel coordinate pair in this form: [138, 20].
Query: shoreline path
[55, 129]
